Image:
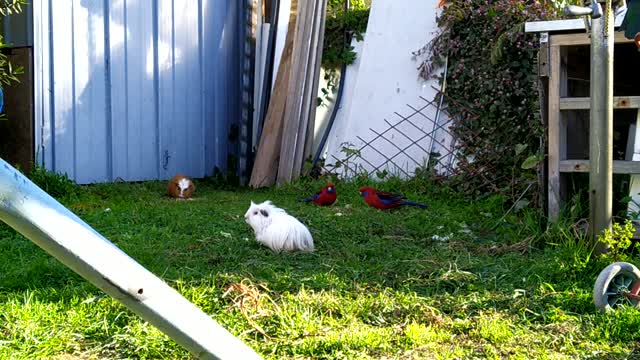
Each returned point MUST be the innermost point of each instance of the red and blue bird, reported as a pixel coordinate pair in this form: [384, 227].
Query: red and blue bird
[324, 197]
[385, 200]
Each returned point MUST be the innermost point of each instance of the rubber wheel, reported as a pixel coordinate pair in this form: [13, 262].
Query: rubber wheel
[612, 284]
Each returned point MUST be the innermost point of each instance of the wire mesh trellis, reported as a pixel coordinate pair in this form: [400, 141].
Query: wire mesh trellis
[421, 138]
[425, 141]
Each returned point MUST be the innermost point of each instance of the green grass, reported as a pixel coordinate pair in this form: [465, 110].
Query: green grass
[378, 286]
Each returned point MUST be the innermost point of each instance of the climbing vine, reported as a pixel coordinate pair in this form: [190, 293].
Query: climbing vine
[491, 90]
[334, 52]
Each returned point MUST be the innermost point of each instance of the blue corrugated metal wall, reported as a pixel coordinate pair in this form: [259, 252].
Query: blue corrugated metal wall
[135, 89]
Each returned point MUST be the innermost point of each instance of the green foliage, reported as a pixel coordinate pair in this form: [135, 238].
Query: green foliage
[335, 52]
[9, 73]
[10, 7]
[55, 184]
[621, 325]
[492, 91]
[354, 21]
[617, 241]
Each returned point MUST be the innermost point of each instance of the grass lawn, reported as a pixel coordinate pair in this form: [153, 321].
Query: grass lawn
[407, 284]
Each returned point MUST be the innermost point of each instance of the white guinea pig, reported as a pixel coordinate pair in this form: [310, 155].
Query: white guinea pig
[276, 229]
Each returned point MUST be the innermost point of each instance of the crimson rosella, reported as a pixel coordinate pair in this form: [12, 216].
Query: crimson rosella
[385, 200]
[324, 197]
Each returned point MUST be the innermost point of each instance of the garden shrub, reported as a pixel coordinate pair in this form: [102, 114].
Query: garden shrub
[491, 91]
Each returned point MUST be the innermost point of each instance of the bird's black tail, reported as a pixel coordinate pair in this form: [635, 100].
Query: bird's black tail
[305, 199]
[411, 203]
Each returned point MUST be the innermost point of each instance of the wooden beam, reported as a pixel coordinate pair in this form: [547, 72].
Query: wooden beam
[583, 39]
[584, 103]
[563, 25]
[582, 166]
[553, 134]
[554, 25]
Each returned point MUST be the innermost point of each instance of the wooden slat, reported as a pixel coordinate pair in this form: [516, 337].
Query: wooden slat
[267, 157]
[584, 103]
[293, 117]
[553, 135]
[258, 33]
[303, 130]
[619, 166]
[582, 39]
[563, 25]
[554, 25]
[311, 98]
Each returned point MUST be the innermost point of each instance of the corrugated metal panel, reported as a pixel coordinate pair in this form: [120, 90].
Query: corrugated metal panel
[135, 89]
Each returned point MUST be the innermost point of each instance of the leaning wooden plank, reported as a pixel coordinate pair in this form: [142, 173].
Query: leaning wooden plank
[285, 8]
[260, 107]
[261, 61]
[292, 116]
[258, 66]
[309, 74]
[267, 157]
[257, 85]
[312, 99]
[291, 121]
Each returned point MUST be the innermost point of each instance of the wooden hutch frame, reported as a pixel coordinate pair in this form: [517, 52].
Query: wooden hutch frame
[556, 35]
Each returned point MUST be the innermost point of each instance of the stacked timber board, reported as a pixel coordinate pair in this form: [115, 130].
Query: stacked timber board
[287, 134]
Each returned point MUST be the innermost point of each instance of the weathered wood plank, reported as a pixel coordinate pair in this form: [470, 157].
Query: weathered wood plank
[293, 119]
[553, 134]
[562, 25]
[303, 130]
[580, 166]
[259, 37]
[584, 103]
[315, 62]
[267, 157]
[582, 39]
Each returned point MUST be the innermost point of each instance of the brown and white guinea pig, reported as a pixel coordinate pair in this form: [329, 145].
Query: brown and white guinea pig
[180, 187]
[276, 229]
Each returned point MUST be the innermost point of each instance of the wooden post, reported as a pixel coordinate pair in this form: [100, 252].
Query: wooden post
[553, 133]
[601, 125]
